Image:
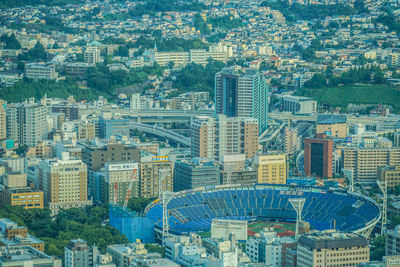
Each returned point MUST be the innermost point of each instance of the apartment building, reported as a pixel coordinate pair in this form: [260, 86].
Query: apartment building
[181, 59]
[365, 161]
[26, 123]
[329, 249]
[291, 140]
[272, 169]
[92, 55]
[212, 138]
[151, 171]
[393, 241]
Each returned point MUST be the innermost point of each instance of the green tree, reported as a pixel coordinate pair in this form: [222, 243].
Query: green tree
[139, 204]
[10, 42]
[377, 246]
[317, 81]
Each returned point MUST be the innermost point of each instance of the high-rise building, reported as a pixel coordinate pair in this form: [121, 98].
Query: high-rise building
[212, 138]
[291, 140]
[197, 173]
[3, 120]
[77, 253]
[365, 161]
[318, 154]
[116, 181]
[329, 248]
[272, 169]
[64, 183]
[26, 123]
[151, 171]
[242, 95]
[393, 241]
[92, 55]
[86, 131]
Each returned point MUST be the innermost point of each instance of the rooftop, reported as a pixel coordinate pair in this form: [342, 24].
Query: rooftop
[331, 119]
[332, 239]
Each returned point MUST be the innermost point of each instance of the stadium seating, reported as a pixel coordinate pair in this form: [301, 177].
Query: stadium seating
[193, 211]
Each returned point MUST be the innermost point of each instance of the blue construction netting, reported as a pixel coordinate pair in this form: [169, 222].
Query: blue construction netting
[130, 224]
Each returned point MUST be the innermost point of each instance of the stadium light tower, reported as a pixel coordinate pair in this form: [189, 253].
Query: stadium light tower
[167, 196]
[383, 188]
[349, 175]
[162, 175]
[297, 204]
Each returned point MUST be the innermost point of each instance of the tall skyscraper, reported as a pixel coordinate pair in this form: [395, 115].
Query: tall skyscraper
[212, 138]
[242, 95]
[318, 153]
[3, 121]
[26, 123]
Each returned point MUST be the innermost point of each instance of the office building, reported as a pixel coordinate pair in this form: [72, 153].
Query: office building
[123, 254]
[365, 161]
[114, 186]
[272, 169]
[298, 104]
[195, 173]
[393, 241]
[12, 235]
[92, 55]
[77, 253]
[26, 123]
[242, 95]
[95, 155]
[3, 120]
[151, 171]
[244, 176]
[22, 255]
[332, 125]
[212, 138]
[391, 175]
[39, 71]
[291, 140]
[329, 248]
[64, 183]
[318, 153]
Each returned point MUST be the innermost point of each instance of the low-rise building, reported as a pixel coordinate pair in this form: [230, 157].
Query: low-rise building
[21, 255]
[391, 175]
[38, 71]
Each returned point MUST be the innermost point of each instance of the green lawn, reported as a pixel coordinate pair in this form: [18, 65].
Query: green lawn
[341, 96]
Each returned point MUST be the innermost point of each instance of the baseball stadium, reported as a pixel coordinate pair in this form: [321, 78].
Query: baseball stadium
[194, 210]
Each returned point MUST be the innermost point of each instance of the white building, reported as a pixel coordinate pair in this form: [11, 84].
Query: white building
[299, 104]
[92, 55]
[38, 71]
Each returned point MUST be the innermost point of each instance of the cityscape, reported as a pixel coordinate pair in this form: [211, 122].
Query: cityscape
[199, 133]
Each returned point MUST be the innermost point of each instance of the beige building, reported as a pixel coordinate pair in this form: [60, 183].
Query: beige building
[291, 140]
[365, 161]
[150, 176]
[389, 174]
[42, 150]
[213, 138]
[92, 55]
[64, 183]
[86, 131]
[3, 120]
[272, 169]
[331, 249]
[332, 125]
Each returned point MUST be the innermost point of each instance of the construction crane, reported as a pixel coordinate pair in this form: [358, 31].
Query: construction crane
[130, 185]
